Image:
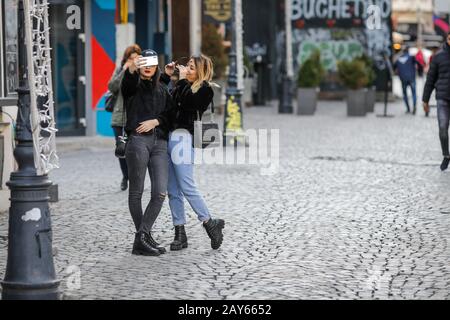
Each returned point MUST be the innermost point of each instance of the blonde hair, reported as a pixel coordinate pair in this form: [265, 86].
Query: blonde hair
[205, 71]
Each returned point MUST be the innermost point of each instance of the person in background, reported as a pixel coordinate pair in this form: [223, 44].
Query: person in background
[118, 119]
[420, 62]
[439, 78]
[406, 69]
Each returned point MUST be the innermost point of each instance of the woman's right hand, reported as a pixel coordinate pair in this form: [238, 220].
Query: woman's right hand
[183, 71]
[132, 65]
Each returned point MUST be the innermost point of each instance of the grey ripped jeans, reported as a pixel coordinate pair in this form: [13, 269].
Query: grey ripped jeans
[146, 152]
[443, 112]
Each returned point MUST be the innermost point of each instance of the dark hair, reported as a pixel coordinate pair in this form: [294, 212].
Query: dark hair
[155, 78]
[129, 51]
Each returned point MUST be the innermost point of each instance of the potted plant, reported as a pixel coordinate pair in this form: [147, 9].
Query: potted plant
[212, 46]
[371, 89]
[310, 75]
[353, 74]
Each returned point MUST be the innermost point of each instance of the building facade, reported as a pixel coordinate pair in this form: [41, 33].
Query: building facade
[87, 40]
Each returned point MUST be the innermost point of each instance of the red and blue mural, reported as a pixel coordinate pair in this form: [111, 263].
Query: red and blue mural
[103, 58]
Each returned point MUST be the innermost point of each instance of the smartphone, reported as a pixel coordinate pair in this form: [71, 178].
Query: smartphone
[149, 61]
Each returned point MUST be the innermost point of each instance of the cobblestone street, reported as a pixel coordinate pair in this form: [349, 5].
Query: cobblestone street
[358, 210]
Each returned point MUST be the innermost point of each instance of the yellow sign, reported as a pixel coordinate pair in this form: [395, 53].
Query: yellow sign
[234, 120]
[219, 10]
[233, 123]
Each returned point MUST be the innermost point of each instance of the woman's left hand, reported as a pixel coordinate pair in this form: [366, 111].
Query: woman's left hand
[147, 126]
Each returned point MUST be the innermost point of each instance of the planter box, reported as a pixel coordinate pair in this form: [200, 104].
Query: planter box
[306, 101]
[356, 103]
[371, 99]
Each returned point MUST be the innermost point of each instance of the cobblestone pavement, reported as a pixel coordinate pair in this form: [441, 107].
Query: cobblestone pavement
[359, 210]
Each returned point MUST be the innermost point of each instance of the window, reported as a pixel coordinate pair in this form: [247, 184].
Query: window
[1, 53]
[9, 43]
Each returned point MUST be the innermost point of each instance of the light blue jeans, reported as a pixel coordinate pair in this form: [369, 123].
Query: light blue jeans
[181, 179]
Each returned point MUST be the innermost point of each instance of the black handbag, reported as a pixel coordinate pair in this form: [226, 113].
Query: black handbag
[121, 146]
[206, 134]
[110, 101]
[121, 141]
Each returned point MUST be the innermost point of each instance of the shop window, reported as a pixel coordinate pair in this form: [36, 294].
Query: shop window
[10, 75]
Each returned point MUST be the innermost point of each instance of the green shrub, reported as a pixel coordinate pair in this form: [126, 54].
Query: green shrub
[370, 69]
[353, 74]
[212, 46]
[311, 72]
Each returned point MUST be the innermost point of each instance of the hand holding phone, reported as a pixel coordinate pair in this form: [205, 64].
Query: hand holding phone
[183, 71]
[170, 69]
[148, 61]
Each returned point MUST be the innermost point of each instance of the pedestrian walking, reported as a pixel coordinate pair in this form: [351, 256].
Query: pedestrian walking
[146, 99]
[192, 95]
[118, 119]
[439, 78]
[420, 62]
[405, 65]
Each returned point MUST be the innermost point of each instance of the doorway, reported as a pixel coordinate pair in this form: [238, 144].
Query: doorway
[68, 69]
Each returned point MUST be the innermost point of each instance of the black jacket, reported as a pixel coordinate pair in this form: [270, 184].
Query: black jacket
[188, 105]
[145, 101]
[439, 76]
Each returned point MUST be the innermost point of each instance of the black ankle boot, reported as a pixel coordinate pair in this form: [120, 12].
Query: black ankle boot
[214, 230]
[142, 246]
[180, 241]
[445, 162]
[155, 244]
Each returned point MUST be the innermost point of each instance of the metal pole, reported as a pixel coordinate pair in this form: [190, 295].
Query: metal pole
[195, 9]
[285, 105]
[233, 125]
[30, 272]
[419, 24]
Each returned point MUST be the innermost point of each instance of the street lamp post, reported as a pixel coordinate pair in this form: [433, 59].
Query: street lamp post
[30, 272]
[233, 124]
[285, 103]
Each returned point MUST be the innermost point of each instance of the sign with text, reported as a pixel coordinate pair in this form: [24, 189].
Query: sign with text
[336, 13]
[341, 30]
[216, 11]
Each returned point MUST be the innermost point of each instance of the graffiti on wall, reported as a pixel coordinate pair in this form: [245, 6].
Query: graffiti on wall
[340, 31]
[334, 45]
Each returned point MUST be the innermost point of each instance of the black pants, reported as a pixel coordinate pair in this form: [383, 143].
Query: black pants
[146, 152]
[443, 112]
[123, 162]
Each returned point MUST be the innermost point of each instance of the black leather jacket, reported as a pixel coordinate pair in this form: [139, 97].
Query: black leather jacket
[188, 105]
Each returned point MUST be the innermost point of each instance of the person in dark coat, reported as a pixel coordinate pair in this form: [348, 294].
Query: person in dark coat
[146, 99]
[192, 95]
[439, 78]
[405, 65]
[118, 118]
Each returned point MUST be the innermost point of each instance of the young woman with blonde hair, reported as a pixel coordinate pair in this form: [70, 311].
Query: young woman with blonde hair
[192, 96]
